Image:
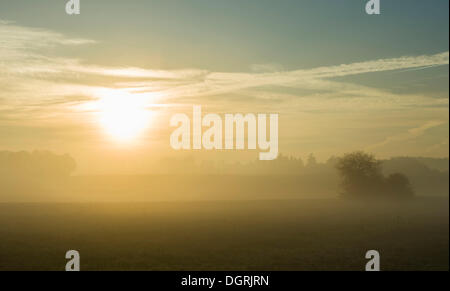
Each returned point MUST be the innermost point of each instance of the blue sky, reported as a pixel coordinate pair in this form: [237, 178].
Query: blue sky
[234, 34]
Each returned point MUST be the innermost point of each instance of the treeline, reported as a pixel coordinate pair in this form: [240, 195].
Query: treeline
[33, 176]
[428, 176]
[290, 165]
[38, 164]
[45, 163]
[282, 165]
[39, 175]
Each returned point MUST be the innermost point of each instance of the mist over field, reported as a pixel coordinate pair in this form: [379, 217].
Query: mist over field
[41, 176]
[285, 215]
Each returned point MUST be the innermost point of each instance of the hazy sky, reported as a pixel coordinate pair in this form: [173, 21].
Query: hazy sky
[339, 79]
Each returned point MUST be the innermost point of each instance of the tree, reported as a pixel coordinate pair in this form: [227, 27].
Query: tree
[362, 177]
[360, 173]
[399, 185]
[312, 162]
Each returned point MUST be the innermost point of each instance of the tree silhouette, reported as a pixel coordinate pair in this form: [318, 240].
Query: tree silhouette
[362, 177]
[399, 185]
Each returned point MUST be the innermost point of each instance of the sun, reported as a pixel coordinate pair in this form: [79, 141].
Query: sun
[124, 116]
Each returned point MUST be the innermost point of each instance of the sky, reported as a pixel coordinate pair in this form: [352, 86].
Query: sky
[103, 85]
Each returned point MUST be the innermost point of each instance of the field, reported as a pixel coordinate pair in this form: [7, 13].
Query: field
[308, 234]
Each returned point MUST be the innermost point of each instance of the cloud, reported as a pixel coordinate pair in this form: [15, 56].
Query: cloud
[381, 65]
[319, 111]
[27, 38]
[214, 83]
[441, 146]
[410, 134]
[5, 22]
[31, 75]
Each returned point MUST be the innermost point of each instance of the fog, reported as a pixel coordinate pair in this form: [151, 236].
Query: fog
[41, 176]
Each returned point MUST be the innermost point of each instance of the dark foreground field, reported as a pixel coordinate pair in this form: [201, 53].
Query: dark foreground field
[322, 234]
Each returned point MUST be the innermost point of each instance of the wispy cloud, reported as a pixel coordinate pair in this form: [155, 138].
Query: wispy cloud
[31, 77]
[21, 54]
[214, 83]
[441, 146]
[412, 133]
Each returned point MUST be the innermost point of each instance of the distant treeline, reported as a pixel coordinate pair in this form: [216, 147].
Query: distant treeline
[290, 165]
[34, 176]
[428, 176]
[37, 164]
[45, 176]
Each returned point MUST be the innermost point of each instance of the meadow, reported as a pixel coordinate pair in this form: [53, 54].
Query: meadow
[291, 234]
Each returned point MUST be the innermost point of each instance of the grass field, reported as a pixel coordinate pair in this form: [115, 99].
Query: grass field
[310, 234]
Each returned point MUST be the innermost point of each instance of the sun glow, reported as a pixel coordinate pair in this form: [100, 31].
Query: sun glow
[123, 115]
